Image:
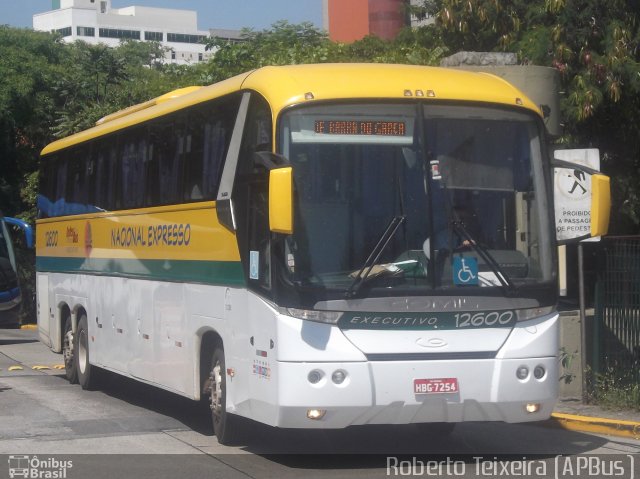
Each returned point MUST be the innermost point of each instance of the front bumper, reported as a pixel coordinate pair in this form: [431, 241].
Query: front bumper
[382, 392]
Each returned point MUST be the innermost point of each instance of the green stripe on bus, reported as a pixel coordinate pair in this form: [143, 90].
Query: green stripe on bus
[211, 272]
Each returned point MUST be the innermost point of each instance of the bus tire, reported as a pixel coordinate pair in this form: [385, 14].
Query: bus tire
[87, 374]
[436, 429]
[226, 427]
[69, 352]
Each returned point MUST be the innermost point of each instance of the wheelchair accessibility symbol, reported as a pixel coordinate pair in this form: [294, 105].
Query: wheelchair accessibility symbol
[465, 271]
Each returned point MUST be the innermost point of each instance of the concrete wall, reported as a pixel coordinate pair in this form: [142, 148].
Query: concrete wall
[540, 84]
[570, 341]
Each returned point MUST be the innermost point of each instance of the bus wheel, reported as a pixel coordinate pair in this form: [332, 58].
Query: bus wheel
[87, 374]
[68, 353]
[436, 429]
[225, 426]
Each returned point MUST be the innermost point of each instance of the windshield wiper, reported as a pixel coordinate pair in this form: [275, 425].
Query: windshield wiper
[504, 279]
[371, 261]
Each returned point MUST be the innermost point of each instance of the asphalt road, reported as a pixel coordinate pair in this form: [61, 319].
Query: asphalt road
[127, 429]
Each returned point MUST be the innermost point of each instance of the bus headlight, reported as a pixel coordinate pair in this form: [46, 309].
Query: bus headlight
[316, 414]
[532, 408]
[328, 317]
[533, 313]
[315, 376]
[338, 376]
[539, 372]
[522, 373]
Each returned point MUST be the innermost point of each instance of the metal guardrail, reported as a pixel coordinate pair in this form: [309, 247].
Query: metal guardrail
[616, 338]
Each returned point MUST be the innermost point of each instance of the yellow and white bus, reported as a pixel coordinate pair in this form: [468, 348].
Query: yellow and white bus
[312, 246]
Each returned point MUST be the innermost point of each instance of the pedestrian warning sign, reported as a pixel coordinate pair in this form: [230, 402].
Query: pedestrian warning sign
[572, 189]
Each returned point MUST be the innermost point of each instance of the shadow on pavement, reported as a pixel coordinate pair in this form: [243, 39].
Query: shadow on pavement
[287, 445]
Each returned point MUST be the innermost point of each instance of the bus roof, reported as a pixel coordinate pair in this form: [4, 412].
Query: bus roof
[285, 86]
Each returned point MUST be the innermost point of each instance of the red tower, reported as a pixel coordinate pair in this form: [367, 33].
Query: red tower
[386, 18]
[347, 20]
[351, 20]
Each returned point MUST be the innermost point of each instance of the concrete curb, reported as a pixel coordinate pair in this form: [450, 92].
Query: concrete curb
[596, 425]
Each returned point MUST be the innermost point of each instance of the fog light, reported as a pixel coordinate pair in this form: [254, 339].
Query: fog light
[539, 372]
[338, 376]
[315, 414]
[532, 407]
[522, 372]
[315, 376]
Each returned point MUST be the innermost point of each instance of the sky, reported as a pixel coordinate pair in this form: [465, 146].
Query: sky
[232, 14]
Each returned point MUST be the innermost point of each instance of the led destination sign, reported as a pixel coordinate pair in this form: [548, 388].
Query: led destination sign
[359, 127]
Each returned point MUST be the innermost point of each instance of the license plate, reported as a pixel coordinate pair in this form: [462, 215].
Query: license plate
[435, 386]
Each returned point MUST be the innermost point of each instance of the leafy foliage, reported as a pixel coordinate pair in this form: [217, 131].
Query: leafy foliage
[595, 45]
[286, 44]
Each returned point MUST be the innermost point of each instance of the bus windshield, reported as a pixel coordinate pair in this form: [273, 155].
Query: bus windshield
[405, 198]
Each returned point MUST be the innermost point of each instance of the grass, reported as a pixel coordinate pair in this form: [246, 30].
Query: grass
[615, 388]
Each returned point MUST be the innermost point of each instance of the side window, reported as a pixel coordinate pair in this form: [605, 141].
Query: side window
[114, 196]
[209, 133]
[59, 199]
[77, 188]
[133, 151]
[47, 186]
[252, 194]
[166, 149]
[152, 168]
[102, 186]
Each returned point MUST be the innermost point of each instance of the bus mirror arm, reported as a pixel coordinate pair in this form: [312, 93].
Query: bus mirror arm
[574, 166]
[269, 160]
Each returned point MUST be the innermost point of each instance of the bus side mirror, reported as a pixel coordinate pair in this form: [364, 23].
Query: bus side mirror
[25, 227]
[582, 202]
[281, 200]
[600, 204]
[280, 190]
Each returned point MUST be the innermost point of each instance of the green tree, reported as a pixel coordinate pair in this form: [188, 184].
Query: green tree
[594, 44]
[29, 62]
[285, 44]
[99, 80]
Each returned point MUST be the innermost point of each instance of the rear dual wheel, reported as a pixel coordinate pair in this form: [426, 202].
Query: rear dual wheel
[87, 374]
[227, 427]
[69, 352]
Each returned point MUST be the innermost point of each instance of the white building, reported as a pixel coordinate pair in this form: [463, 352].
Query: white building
[95, 21]
[420, 22]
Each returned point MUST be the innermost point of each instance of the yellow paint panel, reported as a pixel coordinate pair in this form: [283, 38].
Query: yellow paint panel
[600, 204]
[288, 85]
[185, 232]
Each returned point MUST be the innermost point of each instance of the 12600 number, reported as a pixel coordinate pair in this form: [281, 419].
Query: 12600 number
[483, 320]
[51, 239]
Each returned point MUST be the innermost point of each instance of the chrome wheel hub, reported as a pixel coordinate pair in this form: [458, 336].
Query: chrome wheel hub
[67, 349]
[215, 380]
